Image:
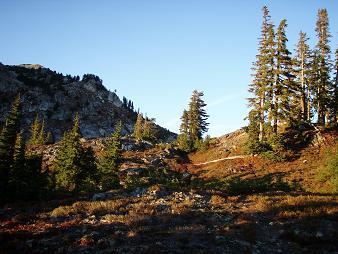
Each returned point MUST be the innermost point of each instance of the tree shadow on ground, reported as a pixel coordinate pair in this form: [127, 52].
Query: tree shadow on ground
[239, 185]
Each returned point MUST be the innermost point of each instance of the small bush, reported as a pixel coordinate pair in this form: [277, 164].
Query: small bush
[184, 143]
[133, 181]
[164, 146]
[272, 149]
[256, 147]
[202, 144]
[90, 208]
[273, 156]
[62, 211]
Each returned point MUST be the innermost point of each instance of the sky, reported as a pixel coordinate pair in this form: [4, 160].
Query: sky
[156, 52]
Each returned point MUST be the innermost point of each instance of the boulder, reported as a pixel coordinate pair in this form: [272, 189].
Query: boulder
[101, 196]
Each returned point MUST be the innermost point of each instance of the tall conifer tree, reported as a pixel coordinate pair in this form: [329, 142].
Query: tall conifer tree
[74, 165]
[334, 107]
[197, 116]
[302, 72]
[109, 162]
[323, 85]
[148, 129]
[284, 98]
[183, 139]
[38, 134]
[184, 127]
[8, 139]
[19, 175]
[138, 128]
[262, 85]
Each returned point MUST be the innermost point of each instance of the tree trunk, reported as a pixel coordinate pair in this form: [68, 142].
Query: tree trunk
[261, 119]
[320, 109]
[308, 106]
[275, 120]
[303, 94]
[335, 120]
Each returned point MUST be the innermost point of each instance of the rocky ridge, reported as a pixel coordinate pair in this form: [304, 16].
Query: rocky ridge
[56, 98]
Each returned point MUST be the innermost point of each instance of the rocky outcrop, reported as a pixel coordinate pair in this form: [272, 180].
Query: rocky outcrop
[57, 98]
[98, 145]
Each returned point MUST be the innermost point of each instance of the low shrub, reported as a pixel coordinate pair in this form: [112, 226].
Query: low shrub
[273, 148]
[256, 147]
[90, 208]
[62, 211]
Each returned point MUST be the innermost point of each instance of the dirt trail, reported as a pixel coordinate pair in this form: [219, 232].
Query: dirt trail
[223, 159]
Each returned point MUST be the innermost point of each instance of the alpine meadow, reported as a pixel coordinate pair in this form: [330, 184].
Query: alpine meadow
[219, 144]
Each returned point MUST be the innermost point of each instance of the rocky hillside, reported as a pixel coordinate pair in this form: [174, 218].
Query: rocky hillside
[247, 205]
[57, 97]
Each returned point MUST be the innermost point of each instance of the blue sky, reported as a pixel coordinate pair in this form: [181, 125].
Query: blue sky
[156, 52]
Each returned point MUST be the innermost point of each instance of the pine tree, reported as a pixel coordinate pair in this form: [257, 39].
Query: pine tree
[184, 142]
[8, 139]
[74, 165]
[252, 130]
[42, 137]
[125, 102]
[38, 135]
[183, 139]
[197, 116]
[148, 129]
[109, 163]
[34, 132]
[19, 175]
[323, 85]
[334, 107]
[138, 128]
[184, 127]
[285, 103]
[270, 86]
[262, 85]
[302, 66]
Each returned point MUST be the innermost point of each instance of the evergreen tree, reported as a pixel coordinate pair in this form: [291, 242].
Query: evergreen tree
[34, 131]
[38, 135]
[184, 127]
[197, 116]
[42, 137]
[138, 128]
[129, 104]
[262, 85]
[323, 85]
[270, 86]
[8, 139]
[253, 131]
[125, 102]
[74, 165]
[109, 163]
[314, 79]
[183, 140]
[19, 175]
[334, 107]
[302, 66]
[285, 103]
[194, 123]
[35, 181]
[148, 129]
[203, 144]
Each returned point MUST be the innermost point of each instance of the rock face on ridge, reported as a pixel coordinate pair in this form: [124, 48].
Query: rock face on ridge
[57, 98]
